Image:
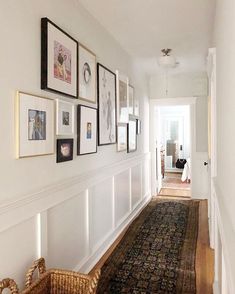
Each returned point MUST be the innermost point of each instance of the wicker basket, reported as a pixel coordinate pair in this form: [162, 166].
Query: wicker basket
[54, 281]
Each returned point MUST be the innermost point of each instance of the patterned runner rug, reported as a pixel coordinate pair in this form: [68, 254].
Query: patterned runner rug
[157, 253]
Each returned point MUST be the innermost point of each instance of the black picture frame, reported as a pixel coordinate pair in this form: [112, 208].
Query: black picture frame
[47, 79]
[101, 141]
[138, 126]
[131, 133]
[80, 129]
[59, 155]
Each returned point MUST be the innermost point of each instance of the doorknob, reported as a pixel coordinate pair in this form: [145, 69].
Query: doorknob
[205, 163]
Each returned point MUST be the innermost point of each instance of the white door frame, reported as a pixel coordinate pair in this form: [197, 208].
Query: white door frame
[154, 103]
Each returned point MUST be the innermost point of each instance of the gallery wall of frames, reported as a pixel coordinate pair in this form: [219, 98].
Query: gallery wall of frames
[71, 70]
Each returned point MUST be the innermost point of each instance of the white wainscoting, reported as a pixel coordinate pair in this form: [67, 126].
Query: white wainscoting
[222, 241]
[73, 223]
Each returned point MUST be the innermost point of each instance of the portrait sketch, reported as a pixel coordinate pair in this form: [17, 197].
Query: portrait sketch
[107, 106]
[64, 150]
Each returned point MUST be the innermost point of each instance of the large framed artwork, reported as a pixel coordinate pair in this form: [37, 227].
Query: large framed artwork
[131, 99]
[64, 150]
[64, 118]
[132, 135]
[122, 98]
[121, 137]
[106, 105]
[136, 106]
[35, 125]
[59, 59]
[87, 74]
[87, 130]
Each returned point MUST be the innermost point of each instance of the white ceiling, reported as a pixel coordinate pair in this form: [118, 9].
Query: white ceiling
[144, 27]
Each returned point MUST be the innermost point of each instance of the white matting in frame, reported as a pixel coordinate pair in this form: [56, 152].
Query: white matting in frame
[121, 137]
[64, 118]
[87, 130]
[87, 74]
[122, 98]
[35, 125]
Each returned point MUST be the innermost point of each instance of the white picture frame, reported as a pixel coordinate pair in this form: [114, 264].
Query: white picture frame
[64, 118]
[87, 74]
[132, 135]
[121, 137]
[122, 98]
[131, 99]
[35, 128]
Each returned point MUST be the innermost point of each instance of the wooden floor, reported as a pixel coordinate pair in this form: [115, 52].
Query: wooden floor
[175, 192]
[204, 254]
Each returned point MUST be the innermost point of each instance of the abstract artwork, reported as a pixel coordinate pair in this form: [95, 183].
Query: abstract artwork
[59, 55]
[107, 105]
[64, 118]
[87, 75]
[87, 130]
[34, 125]
[121, 137]
[64, 150]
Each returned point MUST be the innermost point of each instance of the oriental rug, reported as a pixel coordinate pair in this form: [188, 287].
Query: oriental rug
[157, 253]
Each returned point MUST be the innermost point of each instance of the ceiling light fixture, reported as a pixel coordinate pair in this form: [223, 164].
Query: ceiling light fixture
[167, 60]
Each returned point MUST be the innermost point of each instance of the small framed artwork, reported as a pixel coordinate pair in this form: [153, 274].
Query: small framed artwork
[64, 118]
[131, 99]
[121, 137]
[138, 126]
[35, 125]
[59, 55]
[131, 135]
[122, 99]
[106, 105]
[136, 106]
[87, 130]
[64, 150]
[87, 75]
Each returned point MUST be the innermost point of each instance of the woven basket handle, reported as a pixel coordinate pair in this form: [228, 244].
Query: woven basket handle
[38, 264]
[9, 284]
[94, 282]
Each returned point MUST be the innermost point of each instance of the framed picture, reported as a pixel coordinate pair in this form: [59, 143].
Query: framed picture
[121, 137]
[136, 106]
[106, 105]
[64, 150]
[87, 130]
[131, 135]
[64, 118]
[122, 99]
[131, 99]
[138, 126]
[35, 125]
[59, 55]
[87, 75]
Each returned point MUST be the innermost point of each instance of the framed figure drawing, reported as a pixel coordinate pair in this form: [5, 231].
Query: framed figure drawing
[121, 137]
[87, 130]
[106, 105]
[122, 99]
[64, 150]
[35, 125]
[59, 55]
[131, 99]
[64, 118]
[131, 135]
[87, 75]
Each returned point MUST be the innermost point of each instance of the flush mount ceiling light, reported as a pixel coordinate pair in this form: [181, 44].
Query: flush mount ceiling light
[167, 60]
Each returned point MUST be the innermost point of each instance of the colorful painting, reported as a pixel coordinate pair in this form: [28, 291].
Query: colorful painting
[88, 131]
[36, 125]
[62, 62]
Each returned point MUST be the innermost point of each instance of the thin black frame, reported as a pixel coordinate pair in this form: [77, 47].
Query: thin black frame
[79, 129]
[59, 158]
[131, 118]
[98, 100]
[138, 126]
[44, 57]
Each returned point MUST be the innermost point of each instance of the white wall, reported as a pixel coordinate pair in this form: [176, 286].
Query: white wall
[69, 212]
[224, 38]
